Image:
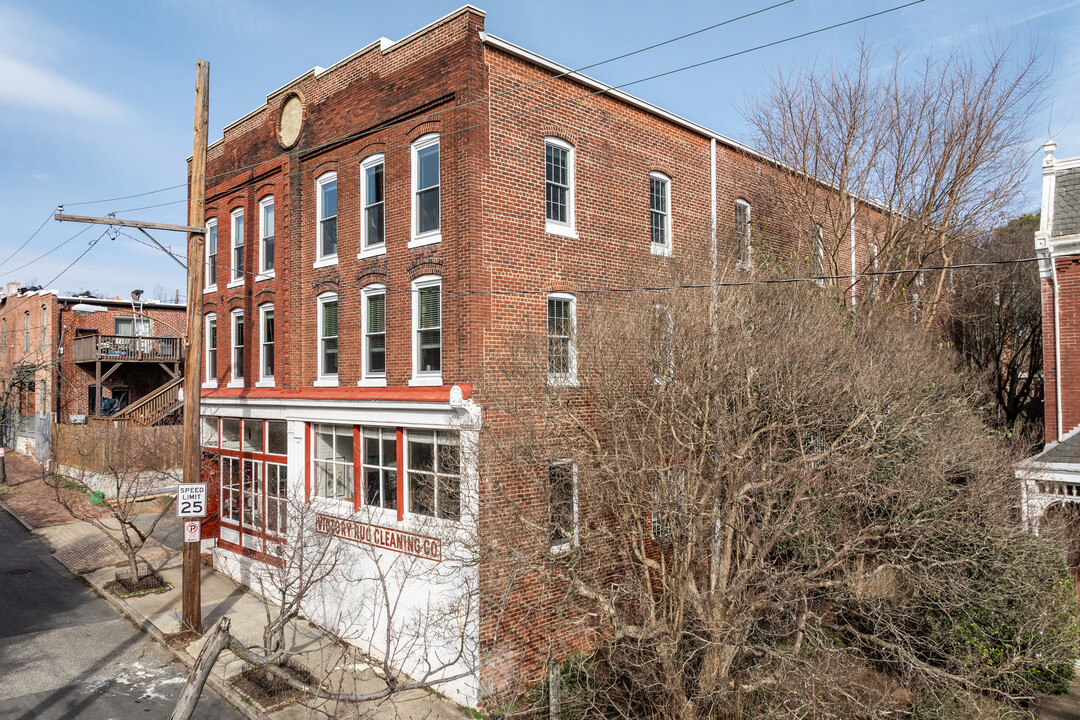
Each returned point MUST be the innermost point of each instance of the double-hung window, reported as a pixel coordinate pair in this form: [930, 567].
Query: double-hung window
[211, 351]
[237, 320]
[427, 331]
[660, 213]
[333, 461]
[817, 256]
[210, 281]
[328, 339]
[266, 344]
[742, 234]
[561, 333]
[44, 325]
[374, 329]
[426, 222]
[434, 474]
[237, 247]
[26, 331]
[380, 467]
[558, 186]
[371, 190]
[326, 202]
[563, 505]
[266, 236]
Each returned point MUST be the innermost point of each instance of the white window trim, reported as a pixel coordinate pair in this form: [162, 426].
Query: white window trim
[326, 379]
[550, 226]
[265, 381]
[662, 249]
[233, 315]
[425, 378]
[432, 236]
[819, 250]
[380, 249]
[264, 274]
[236, 279]
[570, 378]
[371, 379]
[208, 381]
[574, 540]
[324, 260]
[212, 223]
[744, 263]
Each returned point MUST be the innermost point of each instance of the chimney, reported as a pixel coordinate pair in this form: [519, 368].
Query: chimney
[12, 288]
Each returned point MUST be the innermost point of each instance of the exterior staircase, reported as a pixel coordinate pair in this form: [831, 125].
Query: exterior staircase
[151, 409]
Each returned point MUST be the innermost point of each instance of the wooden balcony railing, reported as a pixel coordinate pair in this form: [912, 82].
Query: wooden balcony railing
[124, 348]
[150, 409]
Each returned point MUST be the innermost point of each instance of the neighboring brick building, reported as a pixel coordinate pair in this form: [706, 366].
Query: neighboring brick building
[53, 360]
[367, 230]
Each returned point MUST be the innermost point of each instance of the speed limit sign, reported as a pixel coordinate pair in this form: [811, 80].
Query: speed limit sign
[192, 531]
[191, 500]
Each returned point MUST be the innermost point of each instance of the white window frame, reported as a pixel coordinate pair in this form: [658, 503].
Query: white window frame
[234, 316]
[320, 259]
[874, 268]
[430, 377]
[431, 236]
[236, 275]
[665, 248]
[574, 540]
[264, 379]
[819, 253]
[746, 246]
[210, 379]
[347, 467]
[266, 273]
[405, 475]
[380, 248]
[210, 272]
[325, 379]
[555, 227]
[570, 377]
[388, 502]
[370, 379]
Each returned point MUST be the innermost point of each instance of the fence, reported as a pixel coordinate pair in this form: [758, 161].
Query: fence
[101, 448]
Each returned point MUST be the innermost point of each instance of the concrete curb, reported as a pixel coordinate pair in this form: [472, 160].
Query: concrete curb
[143, 623]
[18, 518]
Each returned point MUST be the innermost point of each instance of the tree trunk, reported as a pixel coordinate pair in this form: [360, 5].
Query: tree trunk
[211, 649]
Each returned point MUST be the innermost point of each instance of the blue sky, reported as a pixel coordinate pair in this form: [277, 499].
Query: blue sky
[96, 98]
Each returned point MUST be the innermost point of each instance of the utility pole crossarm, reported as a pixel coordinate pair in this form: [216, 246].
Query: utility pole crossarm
[141, 224]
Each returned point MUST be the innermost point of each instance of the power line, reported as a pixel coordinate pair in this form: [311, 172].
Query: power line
[27, 242]
[49, 252]
[89, 247]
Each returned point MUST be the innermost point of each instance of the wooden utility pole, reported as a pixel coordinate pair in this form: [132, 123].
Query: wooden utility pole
[191, 622]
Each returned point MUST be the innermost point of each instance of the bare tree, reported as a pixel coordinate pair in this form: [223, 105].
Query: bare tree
[779, 510]
[915, 160]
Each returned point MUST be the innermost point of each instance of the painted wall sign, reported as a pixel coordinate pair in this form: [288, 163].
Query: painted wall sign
[387, 538]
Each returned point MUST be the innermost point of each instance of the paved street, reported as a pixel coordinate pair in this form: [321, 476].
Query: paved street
[65, 653]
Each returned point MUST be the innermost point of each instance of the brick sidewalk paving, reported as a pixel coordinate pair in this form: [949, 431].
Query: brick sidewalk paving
[28, 495]
[81, 548]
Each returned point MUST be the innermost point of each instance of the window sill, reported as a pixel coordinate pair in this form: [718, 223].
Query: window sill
[339, 507]
[267, 275]
[661, 250]
[429, 239]
[210, 384]
[326, 381]
[566, 231]
[426, 381]
[265, 383]
[371, 382]
[238, 282]
[325, 262]
[372, 252]
[235, 383]
[563, 380]
[209, 289]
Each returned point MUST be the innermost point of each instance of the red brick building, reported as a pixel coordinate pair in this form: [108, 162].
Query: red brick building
[370, 229]
[53, 360]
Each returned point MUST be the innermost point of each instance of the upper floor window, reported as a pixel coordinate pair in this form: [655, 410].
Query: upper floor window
[563, 505]
[211, 255]
[26, 331]
[561, 332]
[873, 269]
[426, 190]
[375, 333]
[266, 344]
[135, 326]
[3, 334]
[558, 186]
[328, 338]
[742, 233]
[434, 474]
[817, 256]
[371, 190]
[660, 213]
[266, 235]
[44, 325]
[237, 318]
[211, 350]
[237, 245]
[427, 330]
[326, 200]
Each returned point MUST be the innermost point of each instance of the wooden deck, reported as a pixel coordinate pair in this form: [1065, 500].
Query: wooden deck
[124, 348]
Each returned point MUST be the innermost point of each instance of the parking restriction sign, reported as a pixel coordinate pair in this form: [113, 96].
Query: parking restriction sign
[192, 531]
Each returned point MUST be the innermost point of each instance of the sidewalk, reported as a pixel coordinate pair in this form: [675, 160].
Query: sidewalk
[85, 551]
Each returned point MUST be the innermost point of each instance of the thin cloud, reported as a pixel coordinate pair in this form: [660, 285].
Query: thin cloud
[36, 88]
